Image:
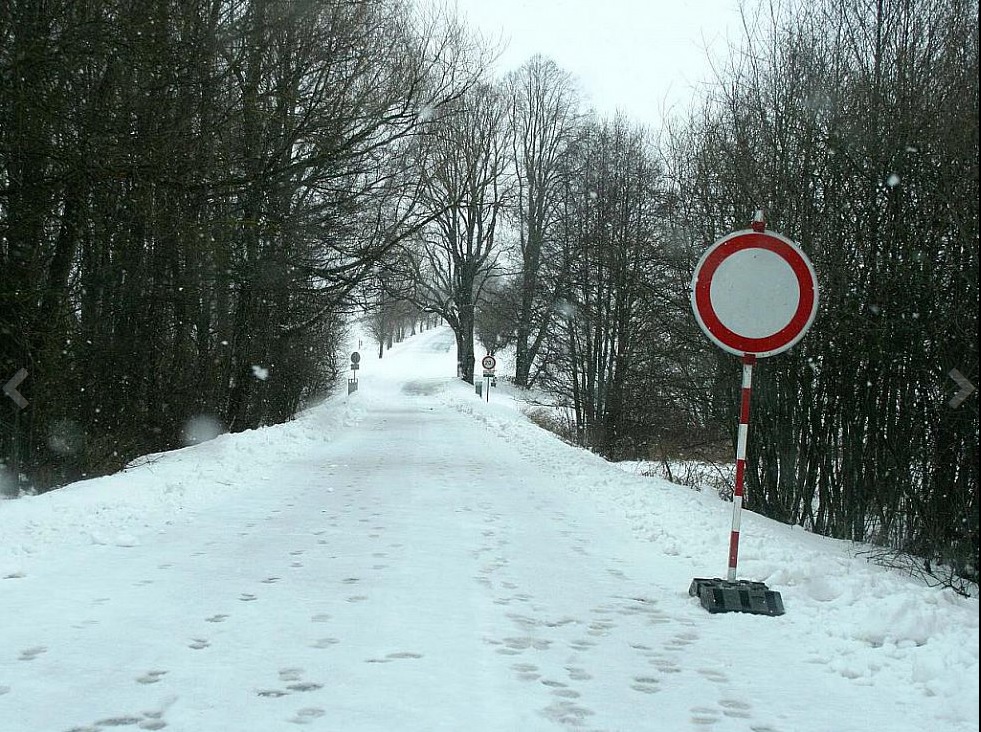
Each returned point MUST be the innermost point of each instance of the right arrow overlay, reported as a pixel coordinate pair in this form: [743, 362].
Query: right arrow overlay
[967, 388]
[10, 388]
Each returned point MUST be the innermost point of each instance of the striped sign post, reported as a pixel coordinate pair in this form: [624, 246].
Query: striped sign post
[754, 294]
[738, 492]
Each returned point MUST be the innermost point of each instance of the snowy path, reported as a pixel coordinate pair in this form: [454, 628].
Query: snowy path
[420, 570]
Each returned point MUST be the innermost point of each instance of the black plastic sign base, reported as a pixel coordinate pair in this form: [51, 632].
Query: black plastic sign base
[742, 596]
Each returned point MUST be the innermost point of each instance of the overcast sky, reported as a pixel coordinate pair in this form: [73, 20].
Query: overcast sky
[637, 56]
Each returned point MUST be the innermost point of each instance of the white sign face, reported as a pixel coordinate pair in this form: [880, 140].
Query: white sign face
[754, 293]
[488, 362]
[755, 312]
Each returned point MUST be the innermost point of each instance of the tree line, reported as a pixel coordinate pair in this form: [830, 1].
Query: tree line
[572, 239]
[195, 194]
[191, 193]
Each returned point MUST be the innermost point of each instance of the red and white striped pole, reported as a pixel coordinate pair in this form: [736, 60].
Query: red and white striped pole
[737, 496]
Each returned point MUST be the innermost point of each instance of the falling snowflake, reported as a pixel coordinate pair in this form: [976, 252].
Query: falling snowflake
[200, 429]
[260, 373]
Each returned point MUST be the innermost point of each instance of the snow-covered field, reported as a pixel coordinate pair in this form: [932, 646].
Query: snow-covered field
[411, 558]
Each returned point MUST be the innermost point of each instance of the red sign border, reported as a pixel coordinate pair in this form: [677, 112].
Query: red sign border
[483, 362]
[710, 322]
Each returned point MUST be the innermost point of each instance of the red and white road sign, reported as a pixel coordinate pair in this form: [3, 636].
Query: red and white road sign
[754, 293]
[488, 362]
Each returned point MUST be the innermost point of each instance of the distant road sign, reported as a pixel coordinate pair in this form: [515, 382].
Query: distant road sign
[355, 357]
[754, 293]
[488, 362]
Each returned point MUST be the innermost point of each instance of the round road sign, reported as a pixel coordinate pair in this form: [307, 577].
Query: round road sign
[355, 357]
[755, 293]
[488, 362]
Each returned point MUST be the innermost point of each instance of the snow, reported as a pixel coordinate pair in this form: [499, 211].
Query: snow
[413, 558]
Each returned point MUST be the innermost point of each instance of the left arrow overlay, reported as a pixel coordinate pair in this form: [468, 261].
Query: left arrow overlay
[10, 388]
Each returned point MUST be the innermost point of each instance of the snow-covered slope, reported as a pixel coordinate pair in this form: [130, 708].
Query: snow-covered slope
[413, 558]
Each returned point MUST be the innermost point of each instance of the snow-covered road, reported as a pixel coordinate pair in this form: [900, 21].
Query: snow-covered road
[411, 558]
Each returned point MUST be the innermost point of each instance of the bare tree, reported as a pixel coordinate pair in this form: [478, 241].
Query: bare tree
[609, 229]
[543, 114]
[465, 185]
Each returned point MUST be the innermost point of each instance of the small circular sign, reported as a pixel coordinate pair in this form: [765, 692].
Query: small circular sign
[355, 357]
[488, 362]
[754, 293]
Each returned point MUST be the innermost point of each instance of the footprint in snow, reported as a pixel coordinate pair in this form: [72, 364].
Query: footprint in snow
[394, 657]
[645, 684]
[704, 716]
[124, 721]
[526, 671]
[198, 643]
[29, 654]
[325, 642]
[680, 641]
[307, 715]
[712, 675]
[216, 618]
[305, 686]
[566, 713]
[560, 690]
[247, 597]
[664, 665]
[735, 708]
[600, 628]
[150, 677]
[578, 674]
